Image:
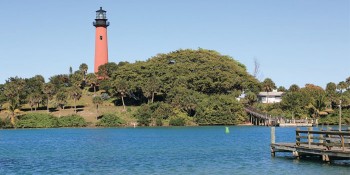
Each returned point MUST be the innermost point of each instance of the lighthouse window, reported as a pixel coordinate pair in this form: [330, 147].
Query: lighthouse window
[100, 37]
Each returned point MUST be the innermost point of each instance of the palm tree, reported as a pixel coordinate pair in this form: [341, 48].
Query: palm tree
[320, 103]
[83, 68]
[50, 90]
[341, 86]
[97, 100]
[268, 85]
[61, 98]
[75, 93]
[92, 80]
[76, 79]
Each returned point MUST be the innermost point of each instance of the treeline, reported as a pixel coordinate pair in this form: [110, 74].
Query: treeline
[46, 120]
[313, 101]
[184, 87]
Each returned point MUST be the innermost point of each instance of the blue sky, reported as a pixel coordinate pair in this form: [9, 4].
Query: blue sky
[295, 41]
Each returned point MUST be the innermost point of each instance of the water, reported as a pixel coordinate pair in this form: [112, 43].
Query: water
[177, 150]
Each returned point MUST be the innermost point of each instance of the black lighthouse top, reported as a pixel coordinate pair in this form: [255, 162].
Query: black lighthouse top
[101, 19]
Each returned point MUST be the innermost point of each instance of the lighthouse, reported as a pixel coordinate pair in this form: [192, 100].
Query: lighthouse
[101, 47]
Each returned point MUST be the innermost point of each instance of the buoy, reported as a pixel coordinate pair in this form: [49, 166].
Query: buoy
[227, 130]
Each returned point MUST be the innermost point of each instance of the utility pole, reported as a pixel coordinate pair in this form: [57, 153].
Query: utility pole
[340, 115]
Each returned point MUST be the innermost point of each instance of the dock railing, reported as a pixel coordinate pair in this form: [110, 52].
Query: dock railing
[327, 139]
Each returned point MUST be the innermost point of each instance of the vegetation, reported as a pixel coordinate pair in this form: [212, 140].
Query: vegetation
[110, 120]
[37, 120]
[184, 87]
[72, 121]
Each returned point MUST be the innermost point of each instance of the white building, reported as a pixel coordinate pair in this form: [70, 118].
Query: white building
[270, 97]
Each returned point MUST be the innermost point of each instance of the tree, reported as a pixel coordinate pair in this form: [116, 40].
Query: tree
[92, 80]
[281, 89]
[320, 103]
[105, 71]
[120, 87]
[61, 98]
[75, 93]
[220, 110]
[294, 88]
[13, 90]
[341, 86]
[83, 69]
[60, 81]
[348, 81]
[70, 70]
[251, 98]
[331, 93]
[151, 87]
[295, 102]
[97, 100]
[34, 100]
[76, 79]
[34, 84]
[316, 96]
[184, 99]
[49, 90]
[2, 96]
[268, 85]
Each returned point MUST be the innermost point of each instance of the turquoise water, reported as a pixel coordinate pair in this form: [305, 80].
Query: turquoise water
[177, 150]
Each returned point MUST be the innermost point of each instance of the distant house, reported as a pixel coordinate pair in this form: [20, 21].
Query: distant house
[270, 97]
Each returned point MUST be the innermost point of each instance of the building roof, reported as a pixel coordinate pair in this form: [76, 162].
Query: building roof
[270, 93]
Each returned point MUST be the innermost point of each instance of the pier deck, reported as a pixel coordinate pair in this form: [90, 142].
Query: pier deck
[328, 145]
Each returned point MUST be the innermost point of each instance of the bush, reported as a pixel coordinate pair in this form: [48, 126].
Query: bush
[37, 120]
[72, 121]
[177, 121]
[110, 120]
[144, 114]
[220, 110]
[6, 123]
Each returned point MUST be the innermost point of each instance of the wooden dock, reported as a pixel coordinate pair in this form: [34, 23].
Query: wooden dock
[259, 118]
[327, 145]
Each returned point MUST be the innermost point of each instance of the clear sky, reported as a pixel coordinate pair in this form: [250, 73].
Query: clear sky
[295, 41]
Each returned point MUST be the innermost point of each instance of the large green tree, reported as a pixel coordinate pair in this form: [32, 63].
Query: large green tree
[121, 87]
[14, 91]
[151, 87]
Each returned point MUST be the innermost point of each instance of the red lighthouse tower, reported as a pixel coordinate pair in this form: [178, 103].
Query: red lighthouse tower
[101, 47]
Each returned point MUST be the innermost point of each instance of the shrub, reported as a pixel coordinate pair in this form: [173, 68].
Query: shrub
[37, 120]
[72, 121]
[110, 120]
[220, 110]
[6, 123]
[144, 115]
[177, 121]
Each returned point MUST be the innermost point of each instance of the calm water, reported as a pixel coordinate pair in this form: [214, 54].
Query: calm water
[183, 150]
